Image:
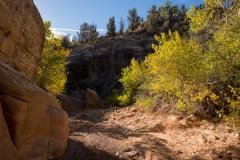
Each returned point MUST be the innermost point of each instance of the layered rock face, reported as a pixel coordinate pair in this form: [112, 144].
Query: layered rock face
[33, 126]
[37, 126]
[99, 66]
[21, 35]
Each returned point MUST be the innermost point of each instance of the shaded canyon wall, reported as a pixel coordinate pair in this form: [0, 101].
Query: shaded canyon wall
[33, 126]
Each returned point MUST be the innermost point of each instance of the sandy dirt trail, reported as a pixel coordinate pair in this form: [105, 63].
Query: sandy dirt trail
[132, 134]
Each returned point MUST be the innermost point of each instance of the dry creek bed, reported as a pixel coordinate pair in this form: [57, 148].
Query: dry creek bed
[132, 134]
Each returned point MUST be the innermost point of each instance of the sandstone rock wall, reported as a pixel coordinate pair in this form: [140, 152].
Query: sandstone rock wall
[32, 125]
[21, 35]
[9, 151]
[38, 127]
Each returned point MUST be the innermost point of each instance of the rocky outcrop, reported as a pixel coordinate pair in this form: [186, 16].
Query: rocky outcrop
[33, 126]
[71, 104]
[21, 35]
[92, 100]
[38, 127]
[99, 66]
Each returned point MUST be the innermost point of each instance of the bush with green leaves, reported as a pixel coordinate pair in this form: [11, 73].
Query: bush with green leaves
[132, 78]
[52, 72]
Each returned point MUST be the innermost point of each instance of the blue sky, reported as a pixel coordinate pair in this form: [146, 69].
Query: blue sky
[67, 15]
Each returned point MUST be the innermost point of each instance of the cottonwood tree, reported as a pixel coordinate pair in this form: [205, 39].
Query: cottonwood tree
[51, 72]
[203, 80]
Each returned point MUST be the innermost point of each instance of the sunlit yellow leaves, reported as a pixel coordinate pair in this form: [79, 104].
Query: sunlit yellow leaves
[175, 64]
[199, 18]
[132, 77]
[51, 72]
[189, 73]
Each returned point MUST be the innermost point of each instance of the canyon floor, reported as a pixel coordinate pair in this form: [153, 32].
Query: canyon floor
[133, 134]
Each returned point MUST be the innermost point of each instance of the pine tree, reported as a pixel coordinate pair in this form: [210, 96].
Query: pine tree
[168, 12]
[172, 11]
[111, 27]
[83, 32]
[152, 19]
[88, 33]
[121, 26]
[133, 19]
[66, 42]
[93, 33]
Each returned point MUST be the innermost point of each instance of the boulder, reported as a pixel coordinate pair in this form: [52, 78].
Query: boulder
[58, 133]
[21, 36]
[92, 100]
[71, 104]
[38, 127]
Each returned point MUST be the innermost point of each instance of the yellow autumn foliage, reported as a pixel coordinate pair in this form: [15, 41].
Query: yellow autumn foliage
[51, 72]
[189, 73]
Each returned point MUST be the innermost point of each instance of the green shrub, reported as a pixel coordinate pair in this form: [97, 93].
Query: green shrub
[113, 98]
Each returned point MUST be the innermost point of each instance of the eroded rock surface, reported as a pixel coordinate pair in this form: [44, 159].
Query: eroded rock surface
[21, 35]
[38, 127]
[99, 66]
[32, 125]
[9, 151]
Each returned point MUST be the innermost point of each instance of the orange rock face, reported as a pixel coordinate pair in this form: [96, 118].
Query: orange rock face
[21, 35]
[32, 125]
[38, 127]
[9, 151]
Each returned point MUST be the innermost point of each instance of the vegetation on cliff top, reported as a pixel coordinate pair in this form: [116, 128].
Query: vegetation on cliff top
[159, 19]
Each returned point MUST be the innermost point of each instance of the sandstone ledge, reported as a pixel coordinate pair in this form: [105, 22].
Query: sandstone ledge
[37, 126]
